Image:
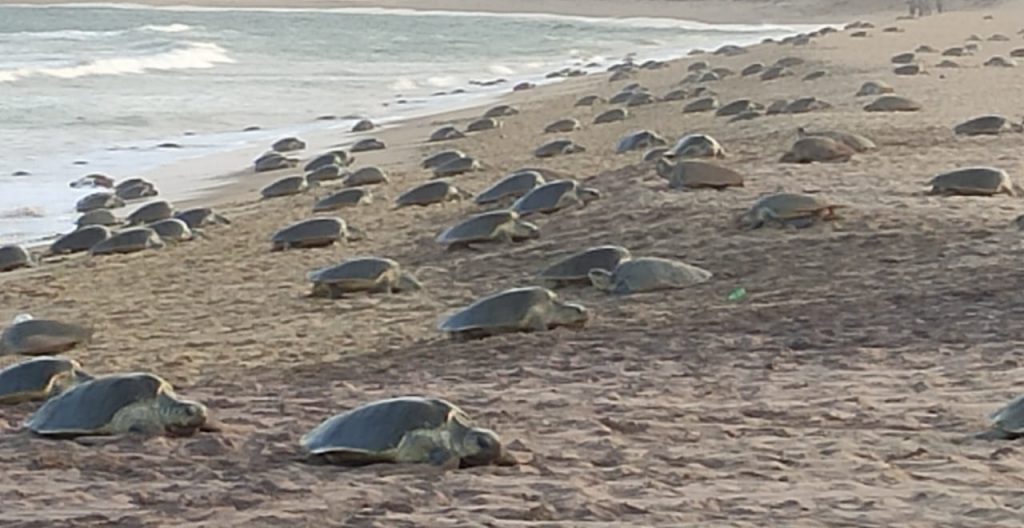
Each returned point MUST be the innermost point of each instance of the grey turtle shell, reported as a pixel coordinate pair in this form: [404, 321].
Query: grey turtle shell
[502, 310]
[553, 196]
[128, 241]
[646, 274]
[273, 161]
[172, 230]
[558, 147]
[325, 174]
[88, 407]
[342, 199]
[38, 337]
[315, 232]
[14, 256]
[695, 174]
[481, 227]
[324, 160]
[370, 432]
[785, 206]
[984, 125]
[856, 142]
[704, 104]
[99, 200]
[287, 186]
[36, 379]
[640, 140]
[512, 186]
[104, 217]
[568, 124]
[1008, 421]
[136, 190]
[893, 103]
[440, 158]
[482, 124]
[288, 144]
[366, 176]
[363, 273]
[438, 191]
[501, 111]
[738, 107]
[977, 181]
[200, 217]
[697, 146]
[367, 145]
[80, 240]
[151, 212]
[611, 116]
[446, 133]
[456, 166]
[576, 267]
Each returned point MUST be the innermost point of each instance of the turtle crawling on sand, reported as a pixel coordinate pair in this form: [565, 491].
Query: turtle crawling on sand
[314, 233]
[530, 309]
[151, 212]
[116, 405]
[14, 256]
[38, 337]
[558, 147]
[491, 227]
[989, 125]
[128, 241]
[788, 209]
[432, 192]
[1007, 422]
[856, 142]
[39, 379]
[555, 196]
[645, 274]
[697, 174]
[342, 199]
[287, 186]
[576, 267]
[79, 240]
[696, 146]
[973, 181]
[812, 149]
[510, 187]
[200, 217]
[174, 230]
[364, 274]
[406, 430]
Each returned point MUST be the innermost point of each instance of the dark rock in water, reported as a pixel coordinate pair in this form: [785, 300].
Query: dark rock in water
[21, 173]
[189, 133]
[169, 146]
[438, 94]
[327, 118]
[250, 129]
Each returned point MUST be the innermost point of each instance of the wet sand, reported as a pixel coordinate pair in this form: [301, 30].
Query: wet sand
[841, 392]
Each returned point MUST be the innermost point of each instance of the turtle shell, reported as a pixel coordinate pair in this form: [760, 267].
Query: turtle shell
[503, 110]
[35, 379]
[136, 189]
[35, 337]
[427, 194]
[856, 142]
[1010, 418]
[639, 140]
[89, 407]
[371, 433]
[172, 229]
[325, 173]
[368, 144]
[695, 174]
[99, 200]
[440, 158]
[505, 309]
[647, 274]
[697, 146]
[974, 180]
[568, 124]
[357, 272]
[485, 123]
[286, 186]
[456, 166]
[546, 198]
[80, 240]
[200, 216]
[151, 212]
[575, 267]
[477, 227]
[557, 147]
[791, 205]
[103, 217]
[989, 124]
[366, 176]
[128, 241]
[611, 116]
[893, 103]
[342, 199]
[321, 161]
[314, 232]
[446, 133]
[14, 256]
[512, 186]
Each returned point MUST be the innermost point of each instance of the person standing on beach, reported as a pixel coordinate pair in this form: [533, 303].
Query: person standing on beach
[912, 5]
[938, 6]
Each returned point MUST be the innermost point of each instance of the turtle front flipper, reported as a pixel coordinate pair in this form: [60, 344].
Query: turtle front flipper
[426, 446]
[600, 279]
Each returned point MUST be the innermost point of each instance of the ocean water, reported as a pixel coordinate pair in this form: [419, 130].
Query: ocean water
[106, 84]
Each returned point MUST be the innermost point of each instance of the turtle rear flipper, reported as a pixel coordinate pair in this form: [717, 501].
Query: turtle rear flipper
[997, 434]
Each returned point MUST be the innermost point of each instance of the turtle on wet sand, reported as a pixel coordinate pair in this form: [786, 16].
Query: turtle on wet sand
[491, 227]
[118, 404]
[788, 209]
[363, 274]
[405, 430]
[973, 181]
[314, 233]
[366, 176]
[40, 337]
[529, 309]
[151, 212]
[1007, 422]
[174, 230]
[38, 379]
[576, 267]
[646, 274]
[14, 256]
[79, 240]
[456, 167]
[128, 241]
[440, 158]
[512, 187]
[432, 192]
[99, 200]
[104, 217]
[555, 196]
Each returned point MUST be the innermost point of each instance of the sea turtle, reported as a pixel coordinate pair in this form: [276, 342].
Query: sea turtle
[558, 147]
[611, 116]
[366, 176]
[678, 94]
[789, 62]
[1000, 62]
[646, 274]
[118, 404]
[493, 226]
[334, 158]
[432, 192]
[103, 217]
[200, 217]
[502, 110]
[698, 66]
[529, 309]
[288, 144]
[738, 107]
[173, 230]
[324, 174]
[40, 337]
[287, 186]
[1007, 422]
[973, 181]
[955, 51]
[856, 142]
[812, 149]
[367, 145]
[788, 209]
[804, 105]
[752, 69]
[575, 268]
[314, 233]
[342, 199]
[815, 75]
[589, 100]
[363, 125]
[482, 124]
[15, 256]
[510, 187]
[446, 133]
[128, 241]
[696, 174]
[640, 99]
[730, 50]
[654, 154]
[151, 212]
[38, 379]
[704, 104]
[1017, 53]
[874, 88]
[135, 189]
[79, 240]
[776, 72]
[903, 58]
[998, 37]
[568, 124]
[776, 107]
[554, 196]
[364, 274]
[984, 125]
[456, 166]
[272, 161]
[909, 69]
[440, 158]
[639, 140]
[696, 146]
[106, 182]
[405, 430]
[99, 200]
[947, 64]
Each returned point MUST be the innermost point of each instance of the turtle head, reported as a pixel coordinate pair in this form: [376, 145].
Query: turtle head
[664, 167]
[600, 279]
[801, 132]
[525, 230]
[408, 282]
[570, 314]
[588, 194]
[483, 447]
[181, 417]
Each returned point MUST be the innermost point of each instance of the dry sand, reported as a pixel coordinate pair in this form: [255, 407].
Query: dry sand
[839, 394]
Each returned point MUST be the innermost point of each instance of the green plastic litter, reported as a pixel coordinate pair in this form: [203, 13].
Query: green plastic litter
[737, 295]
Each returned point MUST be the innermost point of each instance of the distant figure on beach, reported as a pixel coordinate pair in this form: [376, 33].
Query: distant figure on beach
[938, 6]
[926, 7]
[912, 6]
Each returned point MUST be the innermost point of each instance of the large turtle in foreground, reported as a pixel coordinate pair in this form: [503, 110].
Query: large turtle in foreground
[314, 233]
[510, 187]
[365, 274]
[494, 226]
[14, 256]
[788, 209]
[1007, 422]
[37, 337]
[116, 405]
[413, 430]
[973, 181]
[39, 379]
[647, 274]
[576, 267]
[530, 309]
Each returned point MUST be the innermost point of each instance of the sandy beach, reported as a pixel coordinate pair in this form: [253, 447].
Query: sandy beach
[842, 391]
